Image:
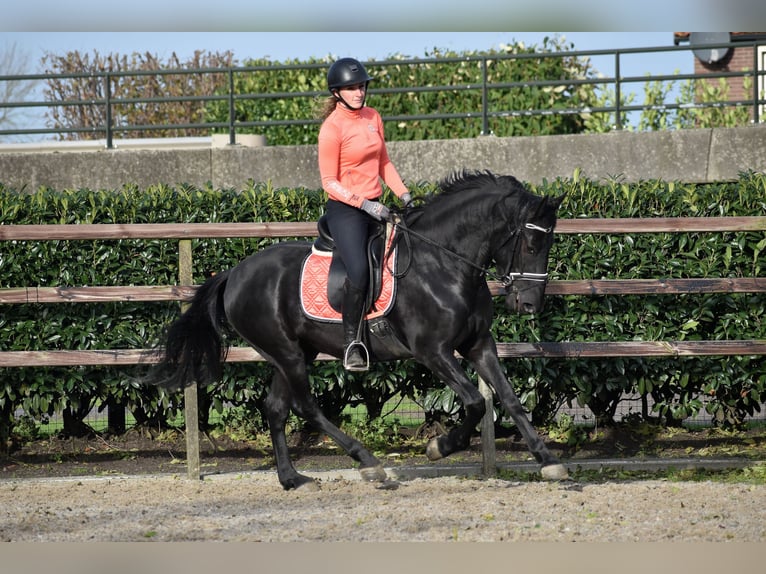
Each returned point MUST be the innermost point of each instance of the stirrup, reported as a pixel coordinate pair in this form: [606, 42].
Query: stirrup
[353, 346]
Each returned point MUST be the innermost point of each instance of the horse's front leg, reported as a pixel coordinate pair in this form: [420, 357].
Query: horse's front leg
[487, 365]
[445, 366]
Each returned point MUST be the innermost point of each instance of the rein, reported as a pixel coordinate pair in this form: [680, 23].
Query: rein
[506, 279]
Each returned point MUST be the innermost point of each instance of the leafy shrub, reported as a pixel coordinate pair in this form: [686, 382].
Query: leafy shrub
[407, 89]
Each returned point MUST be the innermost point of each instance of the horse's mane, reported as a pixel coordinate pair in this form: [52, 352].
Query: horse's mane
[468, 181]
[464, 180]
[469, 186]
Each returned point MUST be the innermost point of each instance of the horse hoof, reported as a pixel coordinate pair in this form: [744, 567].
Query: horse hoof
[308, 486]
[554, 472]
[300, 482]
[373, 474]
[388, 485]
[432, 450]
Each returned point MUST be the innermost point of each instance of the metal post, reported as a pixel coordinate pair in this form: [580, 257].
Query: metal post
[617, 92]
[232, 111]
[756, 82]
[108, 103]
[191, 405]
[489, 465]
[484, 99]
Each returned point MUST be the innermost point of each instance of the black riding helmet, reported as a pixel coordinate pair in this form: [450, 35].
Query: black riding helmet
[346, 72]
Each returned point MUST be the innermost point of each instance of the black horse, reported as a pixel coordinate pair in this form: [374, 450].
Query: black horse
[442, 305]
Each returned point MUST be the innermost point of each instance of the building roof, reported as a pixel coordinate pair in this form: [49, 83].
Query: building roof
[679, 37]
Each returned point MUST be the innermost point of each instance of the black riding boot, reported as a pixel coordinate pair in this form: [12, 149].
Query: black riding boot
[355, 357]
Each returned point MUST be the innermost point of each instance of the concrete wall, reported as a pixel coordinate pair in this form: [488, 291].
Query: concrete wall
[687, 155]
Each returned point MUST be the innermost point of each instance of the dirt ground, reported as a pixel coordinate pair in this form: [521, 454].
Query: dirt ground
[134, 488]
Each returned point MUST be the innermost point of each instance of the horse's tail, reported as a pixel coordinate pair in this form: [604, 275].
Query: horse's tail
[194, 349]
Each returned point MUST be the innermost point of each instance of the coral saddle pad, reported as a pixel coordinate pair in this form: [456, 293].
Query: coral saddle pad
[315, 302]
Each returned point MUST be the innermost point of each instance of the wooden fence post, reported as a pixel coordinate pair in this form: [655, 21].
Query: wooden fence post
[488, 466]
[191, 404]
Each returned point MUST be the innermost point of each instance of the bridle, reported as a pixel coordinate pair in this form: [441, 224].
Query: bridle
[510, 277]
[507, 279]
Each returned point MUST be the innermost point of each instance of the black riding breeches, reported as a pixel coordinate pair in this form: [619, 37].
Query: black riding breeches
[350, 228]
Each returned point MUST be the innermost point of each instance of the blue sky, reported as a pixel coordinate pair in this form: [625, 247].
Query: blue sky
[282, 46]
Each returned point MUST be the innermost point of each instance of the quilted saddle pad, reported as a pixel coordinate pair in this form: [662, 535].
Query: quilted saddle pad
[315, 302]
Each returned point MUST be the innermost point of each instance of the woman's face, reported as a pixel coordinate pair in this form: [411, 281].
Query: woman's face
[354, 95]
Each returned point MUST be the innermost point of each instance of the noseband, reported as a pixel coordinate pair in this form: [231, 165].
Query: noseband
[508, 278]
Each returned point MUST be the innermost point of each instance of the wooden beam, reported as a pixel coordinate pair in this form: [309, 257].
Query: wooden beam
[657, 286]
[191, 394]
[661, 224]
[596, 349]
[564, 349]
[107, 231]
[489, 457]
[65, 358]
[102, 294]
[646, 286]
[97, 294]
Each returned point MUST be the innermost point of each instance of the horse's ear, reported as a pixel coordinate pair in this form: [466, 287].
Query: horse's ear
[549, 202]
[555, 202]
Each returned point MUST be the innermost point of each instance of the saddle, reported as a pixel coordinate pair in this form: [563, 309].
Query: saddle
[323, 274]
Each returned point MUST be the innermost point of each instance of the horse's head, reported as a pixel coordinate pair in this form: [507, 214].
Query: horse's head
[524, 260]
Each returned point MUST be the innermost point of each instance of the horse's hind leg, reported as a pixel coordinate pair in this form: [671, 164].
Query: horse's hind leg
[295, 392]
[277, 410]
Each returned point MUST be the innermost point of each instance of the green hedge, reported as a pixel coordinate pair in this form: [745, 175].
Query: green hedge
[270, 77]
[729, 388]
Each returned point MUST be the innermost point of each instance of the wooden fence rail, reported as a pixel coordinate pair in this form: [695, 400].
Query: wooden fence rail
[104, 231]
[566, 349]
[184, 292]
[567, 287]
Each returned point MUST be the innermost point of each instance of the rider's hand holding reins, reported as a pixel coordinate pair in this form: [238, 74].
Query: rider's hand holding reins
[380, 211]
[376, 209]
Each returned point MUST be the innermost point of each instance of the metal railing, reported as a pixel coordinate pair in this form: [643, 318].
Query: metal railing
[616, 82]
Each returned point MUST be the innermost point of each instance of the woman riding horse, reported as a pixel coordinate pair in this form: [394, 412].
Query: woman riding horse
[442, 310]
[352, 161]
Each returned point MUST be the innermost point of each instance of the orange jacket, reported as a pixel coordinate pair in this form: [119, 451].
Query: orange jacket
[353, 157]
